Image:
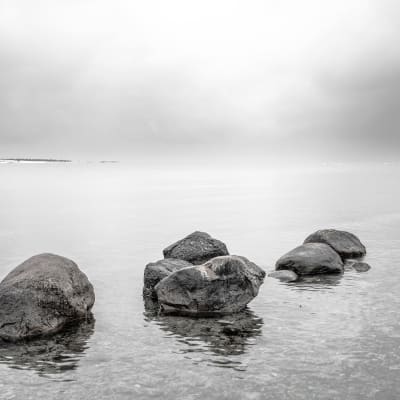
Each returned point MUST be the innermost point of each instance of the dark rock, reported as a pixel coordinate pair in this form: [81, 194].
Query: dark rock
[155, 272]
[361, 266]
[344, 243]
[284, 275]
[311, 258]
[222, 285]
[196, 248]
[43, 295]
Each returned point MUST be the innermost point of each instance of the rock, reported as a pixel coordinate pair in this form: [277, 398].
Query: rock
[196, 248]
[311, 258]
[155, 272]
[284, 275]
[43, 295]
[222, 285]
[361, 266]
[344, 243]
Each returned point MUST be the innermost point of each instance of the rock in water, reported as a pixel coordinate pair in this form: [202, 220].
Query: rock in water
[155, 272]
[361, 266]
[196, 248]
[284, 275]
[344, 243]
[41, 296]
[222, 285]
[311, 258]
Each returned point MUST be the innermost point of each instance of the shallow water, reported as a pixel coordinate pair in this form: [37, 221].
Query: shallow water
[325, 338]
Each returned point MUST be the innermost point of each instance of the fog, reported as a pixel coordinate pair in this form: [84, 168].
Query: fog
[129, 79]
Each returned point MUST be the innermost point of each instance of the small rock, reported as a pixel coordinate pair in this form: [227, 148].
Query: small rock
[196, 248]
[344, 243]
[311, 258]
[284, 275]
[361, 266]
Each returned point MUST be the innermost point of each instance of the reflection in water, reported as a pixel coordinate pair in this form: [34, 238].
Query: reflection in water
[52, 355]
[316, 282]
[219, 340]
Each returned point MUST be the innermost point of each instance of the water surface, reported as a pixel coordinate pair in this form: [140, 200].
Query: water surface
[333, 338]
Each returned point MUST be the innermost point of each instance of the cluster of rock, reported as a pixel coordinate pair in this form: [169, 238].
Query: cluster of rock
[42, 296]
[323, 252]
[198, 277]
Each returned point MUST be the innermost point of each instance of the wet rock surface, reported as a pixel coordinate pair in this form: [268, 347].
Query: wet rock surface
[42, 296]
[311, 258]
[222, 285]
[155, 272]
[346, 244]
[196, 248]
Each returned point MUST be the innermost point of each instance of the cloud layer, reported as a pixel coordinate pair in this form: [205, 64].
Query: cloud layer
[316, 79]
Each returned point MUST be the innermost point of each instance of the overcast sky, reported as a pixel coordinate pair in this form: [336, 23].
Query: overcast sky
[120, 79]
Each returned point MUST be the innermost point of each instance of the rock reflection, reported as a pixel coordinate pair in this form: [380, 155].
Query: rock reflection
[316, 282]
[50, 356]
[221, 338]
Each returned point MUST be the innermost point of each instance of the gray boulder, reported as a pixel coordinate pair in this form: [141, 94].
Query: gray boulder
[155, 272]
[43, 295]
[311, 258]
[196, 248]
[222, 285]
[344, 243]
[284, 275]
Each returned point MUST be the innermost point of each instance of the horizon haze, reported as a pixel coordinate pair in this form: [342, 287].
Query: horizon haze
[228, 79]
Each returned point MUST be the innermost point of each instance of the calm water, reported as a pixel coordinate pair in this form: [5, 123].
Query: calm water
[334, 338]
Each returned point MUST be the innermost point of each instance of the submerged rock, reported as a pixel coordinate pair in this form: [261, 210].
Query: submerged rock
[284, 275]
[43, 295]
[344, 243]
[155, 272]
[222, 285]
[361, 266]
[196, 248]
[311, 258]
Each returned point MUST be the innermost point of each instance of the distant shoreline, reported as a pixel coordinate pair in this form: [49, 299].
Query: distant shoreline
[33, 160]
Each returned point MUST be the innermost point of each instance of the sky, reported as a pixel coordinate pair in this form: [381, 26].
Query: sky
[310, 79]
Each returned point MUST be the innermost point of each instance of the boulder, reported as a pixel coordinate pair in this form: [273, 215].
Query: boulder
[222, 285]
[344, 243]
[311, 258]
[155, 272]
[43, 295]
[196, 248]
[284, 275]
[361, 266]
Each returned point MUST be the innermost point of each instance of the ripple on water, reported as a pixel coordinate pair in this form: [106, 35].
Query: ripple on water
[49, 357]
[215, 341]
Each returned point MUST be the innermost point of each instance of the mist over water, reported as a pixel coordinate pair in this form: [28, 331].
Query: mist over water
[336, 337]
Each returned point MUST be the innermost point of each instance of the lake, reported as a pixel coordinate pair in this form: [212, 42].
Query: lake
[324, 338]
